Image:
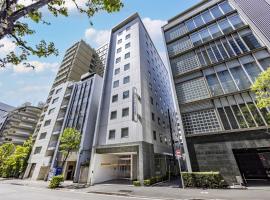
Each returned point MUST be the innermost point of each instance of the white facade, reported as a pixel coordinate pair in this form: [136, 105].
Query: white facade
[134, 106]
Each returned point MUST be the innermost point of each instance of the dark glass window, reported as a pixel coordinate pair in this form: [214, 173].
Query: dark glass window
[113, 115]
[207, 16]
[253, 70]
[225, 7]
[225, 26]
[250, 40]
[198, 21]
[255, 114]
[227, 47]
[215, 31]
[116, 71]
[236, 21]
[211, 54]
[231, 117]
[125, 94]
[115, 98]
[196, 39]
[200, 56]
[216, 12]
[205, 35]
[222, 50]
[205, 55]
[125, 112]
[224, 119]
[227, 81]
[247, 115]
[124, 132]
[111, 134]
[216, 52]
[190, 25]
[154, 135]
[239, 116]
[265, 63]
[234, 46]
[240, 78]
[266, 115]
[240, 43]
[214, 85]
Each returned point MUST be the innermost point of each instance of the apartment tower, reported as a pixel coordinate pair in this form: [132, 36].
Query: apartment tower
[216, 50]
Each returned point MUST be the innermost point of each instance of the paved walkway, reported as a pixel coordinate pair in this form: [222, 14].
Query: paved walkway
[153, 192]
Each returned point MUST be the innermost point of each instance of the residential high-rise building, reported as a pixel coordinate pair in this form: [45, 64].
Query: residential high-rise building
[18, 124]
[216, 50]
[102, 52]
[79, 59]
[133, 137]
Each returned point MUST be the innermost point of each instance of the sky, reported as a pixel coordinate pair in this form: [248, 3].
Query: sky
[19, 84]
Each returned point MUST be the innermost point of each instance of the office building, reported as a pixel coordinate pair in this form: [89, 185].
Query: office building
[132, 139]
[216, 50]
[78, 60]
[18, 124]
[102, 52]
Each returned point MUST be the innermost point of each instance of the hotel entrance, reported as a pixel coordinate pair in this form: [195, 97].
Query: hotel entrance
[124, 166]
[254, 165]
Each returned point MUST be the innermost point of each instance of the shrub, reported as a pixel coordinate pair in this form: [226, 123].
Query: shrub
[136, 183]
[204, 180]
[56, 181]
[158, 179]
[147, 182]
[153, 180]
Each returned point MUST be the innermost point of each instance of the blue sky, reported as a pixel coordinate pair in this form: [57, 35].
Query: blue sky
[19, 85]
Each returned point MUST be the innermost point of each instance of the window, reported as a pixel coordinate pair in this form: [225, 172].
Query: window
[196, 39]
[120, 33]
[215, 31]
[111, 134]
[253, 70]
[119, 41]
[198, 20]
[115, 84]
[125, 94]
[231, 117]
[37, 150]
[225, 7]
[118, 60]
[247, 115]
[154, 135]
[153, 116]
[42, 135]
[240, 78]
[127, 36]
[127, 45]
[190, 24]
[119, 50]
[51, 111]
[216, 12]
[211, 54]
[128, 28]
[222, 50]
[113, 114]
[125, 112]
[225, 26]
[207, 16]
[256, 115]
[214, 85]
[114, 98]
[226, 81]
[152, 100]
[227, 47]
[47, 122]
[126, 79]
[205, 35]
[58, 90]
[55, 100]
[126, 67]
[265, 63]
[127, 55]
[224, 119]
[240, 43]
[116, 71]
[216, 52]
[236, 21]
[250, 40]
[234, 45]
[124, 132]
[239, 116]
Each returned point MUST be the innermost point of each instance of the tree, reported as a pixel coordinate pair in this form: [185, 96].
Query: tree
[69, 142]
[6, 150]
[14, 26]
[261, 87]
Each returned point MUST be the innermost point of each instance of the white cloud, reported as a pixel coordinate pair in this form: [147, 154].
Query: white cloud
[98, 37]
[6, 46]
[39, 67]
[153, 27]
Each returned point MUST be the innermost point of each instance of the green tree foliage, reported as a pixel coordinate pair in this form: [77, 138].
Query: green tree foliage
[69, 142]
[261, 87]
[14, 18]
[14, 162]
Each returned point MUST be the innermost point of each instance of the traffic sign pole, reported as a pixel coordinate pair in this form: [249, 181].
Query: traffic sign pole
[178, 155]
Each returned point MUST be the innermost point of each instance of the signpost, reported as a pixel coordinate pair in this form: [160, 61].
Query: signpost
[178, 155]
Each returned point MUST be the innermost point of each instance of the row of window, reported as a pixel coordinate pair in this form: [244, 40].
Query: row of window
[125, 113]
[119, 50]
[126, 56]
[199, 20]
[215, 30]
[124, 133]
[166, 141]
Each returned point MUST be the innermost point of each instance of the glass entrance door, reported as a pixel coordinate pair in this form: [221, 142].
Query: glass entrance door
[124, 166]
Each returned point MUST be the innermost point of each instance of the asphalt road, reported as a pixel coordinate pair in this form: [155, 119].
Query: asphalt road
[17, 191]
